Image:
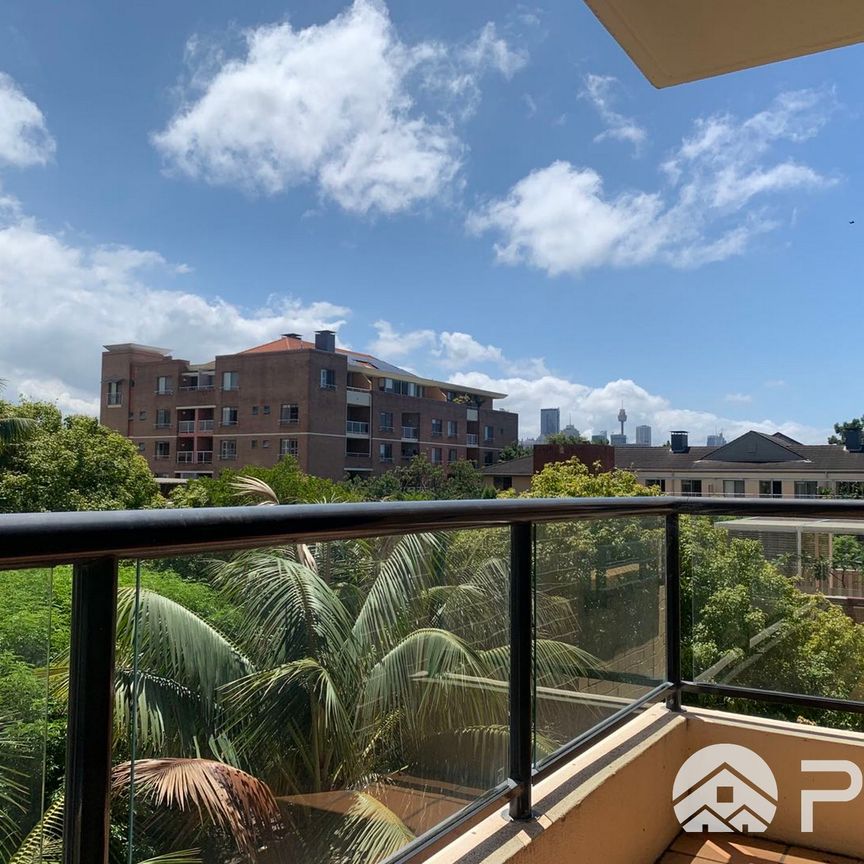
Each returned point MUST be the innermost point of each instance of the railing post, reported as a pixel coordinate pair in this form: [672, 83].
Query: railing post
[673, 610]
[91, 703]
[521, 655]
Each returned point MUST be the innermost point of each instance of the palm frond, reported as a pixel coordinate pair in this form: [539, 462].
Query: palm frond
[254, 491]
[44, 843]
[187, 856]
[373, 831]
[175, 643]
[14, 430]
[232, 800]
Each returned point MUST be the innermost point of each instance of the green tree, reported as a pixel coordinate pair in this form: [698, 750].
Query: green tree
[842, 427]
[514, 450]
[13, 430]
[572, 479]
[289, 483]
[420, 479]
[71, 463]
[566, 438]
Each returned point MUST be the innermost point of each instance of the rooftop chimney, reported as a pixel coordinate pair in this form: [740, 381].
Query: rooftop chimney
[325, 340]
[852, 439]
[292, 336]
[679, 442]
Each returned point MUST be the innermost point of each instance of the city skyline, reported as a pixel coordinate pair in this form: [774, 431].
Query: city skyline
[235, 241]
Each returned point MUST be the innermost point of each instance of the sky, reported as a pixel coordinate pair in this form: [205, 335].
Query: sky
[485, 192]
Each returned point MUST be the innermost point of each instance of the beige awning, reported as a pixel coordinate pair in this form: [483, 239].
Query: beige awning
[674, 41]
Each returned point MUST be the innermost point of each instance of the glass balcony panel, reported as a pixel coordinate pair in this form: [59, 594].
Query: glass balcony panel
[349, 695]
[34, 676]
[600, 623]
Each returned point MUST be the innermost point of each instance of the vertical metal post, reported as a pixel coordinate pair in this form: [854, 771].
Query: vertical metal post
[521, 653]
[673, 610]
[91, 704]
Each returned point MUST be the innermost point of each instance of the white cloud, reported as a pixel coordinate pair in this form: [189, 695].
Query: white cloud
[775, 383]
[598, 89]
[61, 302]
[491, 50]
[335, 105]
[592, 409]
[562, 220]
[24, 136]
[449, 350]
[738, 398]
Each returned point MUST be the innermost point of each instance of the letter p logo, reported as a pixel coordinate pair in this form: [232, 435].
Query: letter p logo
[810, 796]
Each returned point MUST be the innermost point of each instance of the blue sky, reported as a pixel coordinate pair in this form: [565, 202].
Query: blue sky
[489, 192]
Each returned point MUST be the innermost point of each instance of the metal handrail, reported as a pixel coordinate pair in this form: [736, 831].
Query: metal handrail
[95, 541]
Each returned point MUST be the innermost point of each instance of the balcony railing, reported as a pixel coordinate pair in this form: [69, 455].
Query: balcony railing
[205, 425]
[641, 577]
[227, 456]
[410, 432]
[471, 440]
[164, 391]
[203, 456]
[185, 425]
[115, 399]
[187, 387]
[186, 456]
[356, 427]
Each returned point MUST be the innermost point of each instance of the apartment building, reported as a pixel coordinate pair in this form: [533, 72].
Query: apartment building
[337, 412]
[754, 465]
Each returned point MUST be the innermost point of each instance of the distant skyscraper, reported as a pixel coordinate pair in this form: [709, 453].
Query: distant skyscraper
[643, 436]
[716, 440]
[600, 437]
[618, 440]
[550, 421]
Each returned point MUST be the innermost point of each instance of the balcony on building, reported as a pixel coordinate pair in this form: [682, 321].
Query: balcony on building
[357, 424]
[410, 426]
[559, 735]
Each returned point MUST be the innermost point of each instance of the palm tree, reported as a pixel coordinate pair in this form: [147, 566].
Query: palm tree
[361, 669]
[13, 430]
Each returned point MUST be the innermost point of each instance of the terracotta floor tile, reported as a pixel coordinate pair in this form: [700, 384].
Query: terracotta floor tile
[797, 855]
[679, 858]
[729, 848]
[702, 846]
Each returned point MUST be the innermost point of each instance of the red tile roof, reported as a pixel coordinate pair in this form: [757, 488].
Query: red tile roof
[286, 343]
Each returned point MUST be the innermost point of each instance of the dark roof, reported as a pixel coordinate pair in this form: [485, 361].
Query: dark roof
[749, 452]
[524, 465]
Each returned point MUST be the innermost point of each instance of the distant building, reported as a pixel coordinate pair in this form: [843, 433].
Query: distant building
[550, 421]
[716, 440]
[643, 436]
[617, 439]
[335, 411]
[571, 430]
[600, 438]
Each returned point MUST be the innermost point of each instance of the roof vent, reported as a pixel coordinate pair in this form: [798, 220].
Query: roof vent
[679, 442]
[852, 439]
[325, 340]
[296, 336]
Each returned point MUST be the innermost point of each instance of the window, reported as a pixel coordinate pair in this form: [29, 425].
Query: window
[288, 447]
[163, 418]
[488, 433]
[163, 386]
[289, 413]
[328, 379]
[265, 443]
[452, 428]
[142, 415]
[452, 455]
[254, 443]
[229, 416]
[733, 488]
[770, 488]
[385, 421]
[691, 487]
[114, 393]
[230, 381]
[266, 409]
[385, 452]
[141, 446]
[437, 458]
[488, 458]
[502, 482]
[403, 388]
[658, 482]
[228, 450]
[254, 410]
[437, 428]
[163, 449]
[806, 489]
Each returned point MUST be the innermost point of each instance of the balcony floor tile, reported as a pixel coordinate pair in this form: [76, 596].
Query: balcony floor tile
[739, 849]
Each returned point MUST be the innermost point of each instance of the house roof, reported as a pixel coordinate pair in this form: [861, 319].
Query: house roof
[521, 467]
[367, 363]
[753, 451]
